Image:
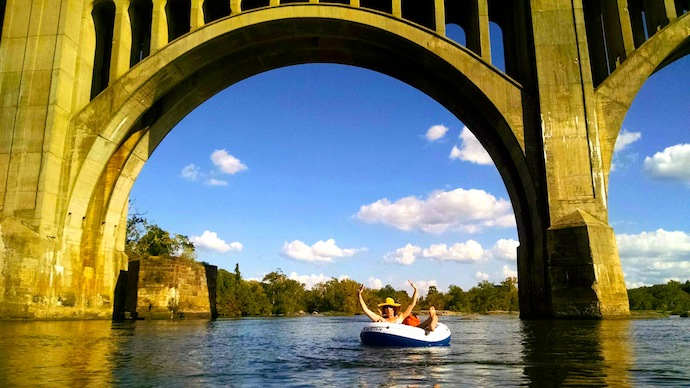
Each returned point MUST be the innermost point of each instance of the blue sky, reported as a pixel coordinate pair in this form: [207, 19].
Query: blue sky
[328, 171]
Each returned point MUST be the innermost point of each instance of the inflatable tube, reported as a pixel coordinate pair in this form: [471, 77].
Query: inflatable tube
[397, 334]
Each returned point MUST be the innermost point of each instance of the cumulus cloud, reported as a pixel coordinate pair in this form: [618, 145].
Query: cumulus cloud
[374, 283]
[626, 138]
[468, 252]
[654, 257]
[505, 250]
[227, 163]
[190, 172]
[209, 241]
[480, 276]
[310, 281]
[672, 163]
[422, 286]
[436, 132]
[508, 272]
[405, 255]
[321, 251]
[471, 251]
[468, 211]
[471, 150]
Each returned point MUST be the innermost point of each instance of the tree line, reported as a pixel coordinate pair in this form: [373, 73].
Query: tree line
[672, 297]
[276, 294]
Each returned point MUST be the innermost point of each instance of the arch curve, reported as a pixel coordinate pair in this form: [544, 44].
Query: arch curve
[120, 128]
[616, 94]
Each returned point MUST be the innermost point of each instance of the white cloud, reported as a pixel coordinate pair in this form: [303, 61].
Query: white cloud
[468, 252]
[422, 286]
[405, 255]
[436, 132]
[654, 257]
[227, 163]
[505, 250]
[216, 182]
[480, 276]
[209, 241]
[459, 210]
[471, 251]
[309, 281]
[509, 272]
[323, 251]
[190, 172]
[672, 163]
[471, 150]
[626, 138]
[374, 283]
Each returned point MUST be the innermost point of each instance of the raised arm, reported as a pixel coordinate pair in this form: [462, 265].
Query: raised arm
[409, 308]
[373, 316]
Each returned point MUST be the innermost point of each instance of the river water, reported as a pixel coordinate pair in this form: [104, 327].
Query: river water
[326, 351]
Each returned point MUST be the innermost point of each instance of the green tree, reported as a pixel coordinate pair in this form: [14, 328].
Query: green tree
[145, 239]
[227, 292]
[253, 299]
[286, 295]
[434, 298]
[457, 299]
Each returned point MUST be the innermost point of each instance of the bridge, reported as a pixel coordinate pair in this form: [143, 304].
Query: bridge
[89, 88]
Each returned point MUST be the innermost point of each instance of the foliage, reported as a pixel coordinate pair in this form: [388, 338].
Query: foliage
[285, 295]
[673, 297]
[237, 297]
[145, 239]
[276, 294]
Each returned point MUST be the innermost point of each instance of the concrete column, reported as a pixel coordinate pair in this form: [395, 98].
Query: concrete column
[235, 7]
[397, 8]
[670, 7]
[484, 35]
[159, 26]
[583, 267]
[122, 41]
[440, 16]
[626, 27]
[196, 15]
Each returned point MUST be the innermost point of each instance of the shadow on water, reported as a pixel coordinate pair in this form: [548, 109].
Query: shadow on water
[557, 353]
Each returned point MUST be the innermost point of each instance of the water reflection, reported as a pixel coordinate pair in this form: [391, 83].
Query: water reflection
[56, 353]
[557, 353]
[326, 351]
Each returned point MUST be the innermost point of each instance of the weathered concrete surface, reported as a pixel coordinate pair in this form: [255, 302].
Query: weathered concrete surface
[164, 288]
[67, 163]
[586, 278]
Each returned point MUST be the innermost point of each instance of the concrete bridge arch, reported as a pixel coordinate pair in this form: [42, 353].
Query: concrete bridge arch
[162, 89]
[550, 126]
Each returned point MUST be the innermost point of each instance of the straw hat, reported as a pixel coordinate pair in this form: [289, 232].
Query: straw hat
[390, 302]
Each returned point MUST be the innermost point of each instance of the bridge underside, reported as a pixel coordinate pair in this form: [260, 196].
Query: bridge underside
[70, 163]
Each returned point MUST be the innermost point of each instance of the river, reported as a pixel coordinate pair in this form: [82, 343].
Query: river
[326, 351]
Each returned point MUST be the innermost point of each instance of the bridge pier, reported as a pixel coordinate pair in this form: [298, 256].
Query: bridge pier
[67, 163]
[584, 271]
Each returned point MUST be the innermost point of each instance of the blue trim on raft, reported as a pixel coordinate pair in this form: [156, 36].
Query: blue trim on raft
[384, 339]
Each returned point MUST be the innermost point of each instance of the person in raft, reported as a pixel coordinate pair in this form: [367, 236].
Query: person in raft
[389, 311]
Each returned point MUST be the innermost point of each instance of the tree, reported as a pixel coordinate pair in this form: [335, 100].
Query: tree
[434, 298]
[457, 299]
[286, 295]
[145, 239]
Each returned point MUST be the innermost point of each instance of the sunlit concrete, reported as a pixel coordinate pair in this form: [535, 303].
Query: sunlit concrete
[69, 162]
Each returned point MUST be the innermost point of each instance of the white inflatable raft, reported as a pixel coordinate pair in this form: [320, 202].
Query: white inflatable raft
[397, 334]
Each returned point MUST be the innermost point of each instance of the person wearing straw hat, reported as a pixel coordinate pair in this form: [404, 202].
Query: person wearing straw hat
[389, 311]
